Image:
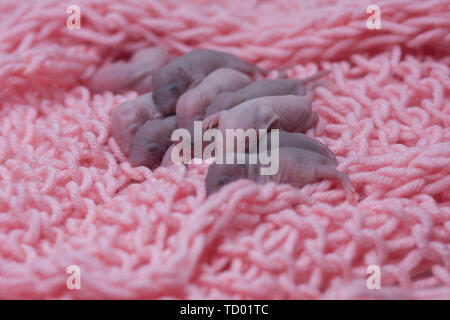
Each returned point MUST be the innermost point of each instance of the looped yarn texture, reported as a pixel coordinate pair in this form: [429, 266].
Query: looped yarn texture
[68, 196]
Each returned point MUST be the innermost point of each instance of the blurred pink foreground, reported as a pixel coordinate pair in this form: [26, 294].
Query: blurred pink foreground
[69, 197]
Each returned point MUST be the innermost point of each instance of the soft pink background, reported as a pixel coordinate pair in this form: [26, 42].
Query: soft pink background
[69, 197]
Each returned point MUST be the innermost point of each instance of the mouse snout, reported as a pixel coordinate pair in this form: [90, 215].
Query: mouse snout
[137, 158]
[148, 154]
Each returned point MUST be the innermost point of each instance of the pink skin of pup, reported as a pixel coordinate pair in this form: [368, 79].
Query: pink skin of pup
[129, 117]
[191, 105]
[167, 159]
[135, 74]
[263, 88]
[173, 79]
[301, 141]
[289, 113]
[151, 142]
[297, 167]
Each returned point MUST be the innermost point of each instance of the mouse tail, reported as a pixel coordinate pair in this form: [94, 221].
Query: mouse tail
[247, 68]
[314, 77]
[328, 172]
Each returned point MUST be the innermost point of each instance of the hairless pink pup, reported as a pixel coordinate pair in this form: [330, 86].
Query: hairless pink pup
[151, 142]
[191, 105]
[135, 74]
[302, 141]
[289, 113]
[297, 167]
[129, 117]
[173, 79]
[263, 88]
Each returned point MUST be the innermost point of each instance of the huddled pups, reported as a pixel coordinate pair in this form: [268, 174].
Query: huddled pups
[217, 88]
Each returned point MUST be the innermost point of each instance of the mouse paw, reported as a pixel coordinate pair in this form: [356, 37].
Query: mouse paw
[352, 196]
[211, 121]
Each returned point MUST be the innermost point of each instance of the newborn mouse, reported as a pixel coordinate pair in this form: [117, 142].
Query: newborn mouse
[302, 141]
[289, 113]
[191, 105]
[128, 117]
[151, 142]
[135, 74]
[262, 88]
[173, 79]
[297, 167]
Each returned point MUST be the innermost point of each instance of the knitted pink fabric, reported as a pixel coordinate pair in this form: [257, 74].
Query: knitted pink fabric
[69, 197]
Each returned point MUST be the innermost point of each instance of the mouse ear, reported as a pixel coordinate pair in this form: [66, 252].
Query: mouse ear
[181, 71]
[183, 75]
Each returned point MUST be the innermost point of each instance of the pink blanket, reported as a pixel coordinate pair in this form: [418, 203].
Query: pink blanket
[69, 199]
